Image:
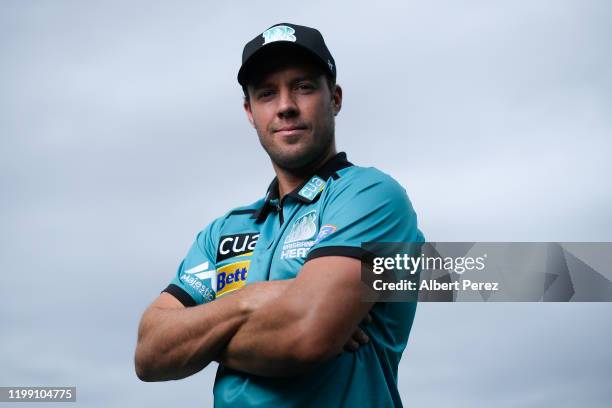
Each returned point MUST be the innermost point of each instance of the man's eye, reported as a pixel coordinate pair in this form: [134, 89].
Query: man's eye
[305, 86]
[265, 94]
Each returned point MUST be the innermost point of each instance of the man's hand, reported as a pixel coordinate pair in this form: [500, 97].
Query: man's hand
[359, 338]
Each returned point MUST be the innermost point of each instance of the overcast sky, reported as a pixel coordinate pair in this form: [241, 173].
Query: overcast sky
[122, 135]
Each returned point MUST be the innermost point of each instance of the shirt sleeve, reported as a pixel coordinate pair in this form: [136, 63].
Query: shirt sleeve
[364, 208]
[195, 280]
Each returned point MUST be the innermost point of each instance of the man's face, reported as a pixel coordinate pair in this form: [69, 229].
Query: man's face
[292, 110]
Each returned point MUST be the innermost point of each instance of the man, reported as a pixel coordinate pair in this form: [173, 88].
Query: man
[272, 290]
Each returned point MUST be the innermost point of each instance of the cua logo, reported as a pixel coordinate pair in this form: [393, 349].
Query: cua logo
[236, 245]
[314, 186]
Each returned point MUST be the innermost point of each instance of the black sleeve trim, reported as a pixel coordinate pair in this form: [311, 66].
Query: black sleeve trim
[352, 252]
[180, 295]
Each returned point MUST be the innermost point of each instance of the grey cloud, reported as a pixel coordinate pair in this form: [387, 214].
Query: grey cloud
[122, 134]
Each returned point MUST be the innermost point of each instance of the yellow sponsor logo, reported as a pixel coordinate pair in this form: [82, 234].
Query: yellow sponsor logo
[232, 277]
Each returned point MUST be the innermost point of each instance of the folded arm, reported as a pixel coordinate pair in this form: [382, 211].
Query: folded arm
[310, 321]
[175, 342]
[272, 328]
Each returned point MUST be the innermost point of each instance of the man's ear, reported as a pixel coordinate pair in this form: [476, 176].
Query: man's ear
[337, 99]
[247, 108]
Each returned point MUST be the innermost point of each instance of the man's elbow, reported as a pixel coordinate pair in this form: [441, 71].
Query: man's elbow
[149, 366]
[144, 375]
[152, 366]
[143, 367]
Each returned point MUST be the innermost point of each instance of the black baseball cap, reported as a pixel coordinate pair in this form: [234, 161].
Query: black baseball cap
[290, 35]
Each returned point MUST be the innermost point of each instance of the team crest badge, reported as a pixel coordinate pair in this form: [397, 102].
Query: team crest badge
[303, 228]
[279, 33]
[326, 231]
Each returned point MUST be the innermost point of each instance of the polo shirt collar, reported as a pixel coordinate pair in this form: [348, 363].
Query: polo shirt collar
[302, 192]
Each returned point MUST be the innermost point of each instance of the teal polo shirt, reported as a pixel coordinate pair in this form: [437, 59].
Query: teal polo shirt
[336, 209]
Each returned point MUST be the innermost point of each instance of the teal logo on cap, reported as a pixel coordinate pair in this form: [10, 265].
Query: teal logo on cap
[279, 33]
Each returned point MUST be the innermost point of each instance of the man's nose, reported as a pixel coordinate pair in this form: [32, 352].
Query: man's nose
[287, 106]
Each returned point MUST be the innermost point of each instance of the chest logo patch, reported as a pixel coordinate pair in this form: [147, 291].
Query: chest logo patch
[232, 277]
[236, 245]
[303, 228]
[299, 240]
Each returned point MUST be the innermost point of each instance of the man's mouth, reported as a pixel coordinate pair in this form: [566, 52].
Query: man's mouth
[290, 130]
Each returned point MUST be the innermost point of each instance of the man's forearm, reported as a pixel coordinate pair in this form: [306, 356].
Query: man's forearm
[270, 343]
[309, 323]
[264, 329]
[176, 343]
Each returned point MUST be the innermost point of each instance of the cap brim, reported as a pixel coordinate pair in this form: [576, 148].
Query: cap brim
[255, 58]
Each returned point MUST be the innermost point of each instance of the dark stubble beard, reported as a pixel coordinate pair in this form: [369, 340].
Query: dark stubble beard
[307, 160]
